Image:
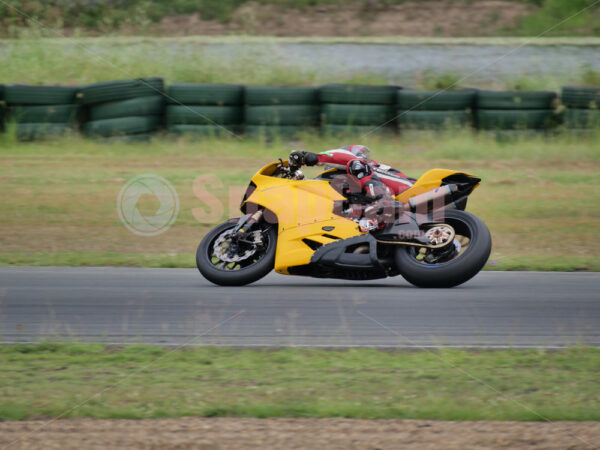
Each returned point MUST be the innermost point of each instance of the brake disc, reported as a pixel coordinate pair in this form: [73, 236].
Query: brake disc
[223, 250]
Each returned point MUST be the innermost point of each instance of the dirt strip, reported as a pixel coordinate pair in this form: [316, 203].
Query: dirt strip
[367, 18]
[236, 433]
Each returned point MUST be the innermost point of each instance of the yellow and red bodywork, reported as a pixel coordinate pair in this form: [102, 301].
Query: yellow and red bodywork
[305, 207]
[427, 182]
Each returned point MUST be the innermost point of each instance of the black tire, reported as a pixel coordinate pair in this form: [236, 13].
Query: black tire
[205, 94]
[44, 114]
[427, 120]
[582, 118]
[456, 271]
[112, 91]
[122, 126]
[238, 277]
[375, 115]
[506, 119]
[581, 97]
[436, 100]
[516, 100]
[306, 115]
[358, 94]
[264, 96]
[19, 94]
[141, 106]
[204, 115]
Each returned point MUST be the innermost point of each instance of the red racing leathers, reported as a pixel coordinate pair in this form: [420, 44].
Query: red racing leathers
[376, 182]
[339, 158]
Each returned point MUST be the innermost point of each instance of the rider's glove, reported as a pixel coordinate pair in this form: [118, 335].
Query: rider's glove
[366, 225]
[296, 158]
[310, 158]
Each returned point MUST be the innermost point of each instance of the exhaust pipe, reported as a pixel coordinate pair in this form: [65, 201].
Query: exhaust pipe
[438, 199]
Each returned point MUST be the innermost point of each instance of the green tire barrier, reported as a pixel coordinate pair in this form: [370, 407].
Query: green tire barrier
[141, 106]
[516, 135]
[205, 94]
[271, 131]
[130, 138]
[581, 97]
[2, 106]
[18, 94]
[581, 132]
[423, 120]
[516, 100]
[44, 114]
[358, 94]
[337, 114]
[204, 130]
[121, 90]
[582, 118]
[138, 107]
[35, 131]
[204, 115]
[436, 100]
[355, 130]
[306, 115]
[122, 126]
[515, 119]
[263, 96]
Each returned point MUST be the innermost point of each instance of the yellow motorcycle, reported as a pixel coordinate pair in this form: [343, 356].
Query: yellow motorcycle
[300, 226]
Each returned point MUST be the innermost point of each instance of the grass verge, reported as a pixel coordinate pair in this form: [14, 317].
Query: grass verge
[539, 197]
[51, 379]
[79, 61]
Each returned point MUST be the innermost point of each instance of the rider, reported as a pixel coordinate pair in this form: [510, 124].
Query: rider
[377, 182]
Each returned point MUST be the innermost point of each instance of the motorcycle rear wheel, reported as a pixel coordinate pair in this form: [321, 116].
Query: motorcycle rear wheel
[247, 269]
[454, 266]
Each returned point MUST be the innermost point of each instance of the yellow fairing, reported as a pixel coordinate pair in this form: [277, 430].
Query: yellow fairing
[428, 181]
[303, 208]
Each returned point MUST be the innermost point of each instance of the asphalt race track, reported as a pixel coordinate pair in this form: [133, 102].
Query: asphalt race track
[179, 307]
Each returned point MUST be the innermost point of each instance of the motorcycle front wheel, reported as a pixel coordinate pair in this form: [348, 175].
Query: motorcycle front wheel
[227, 261]
[453, 264]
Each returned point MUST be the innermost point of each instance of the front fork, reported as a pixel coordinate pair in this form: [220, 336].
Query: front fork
[245, 225]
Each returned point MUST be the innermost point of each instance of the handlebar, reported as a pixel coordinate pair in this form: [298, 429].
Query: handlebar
[289, 172]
